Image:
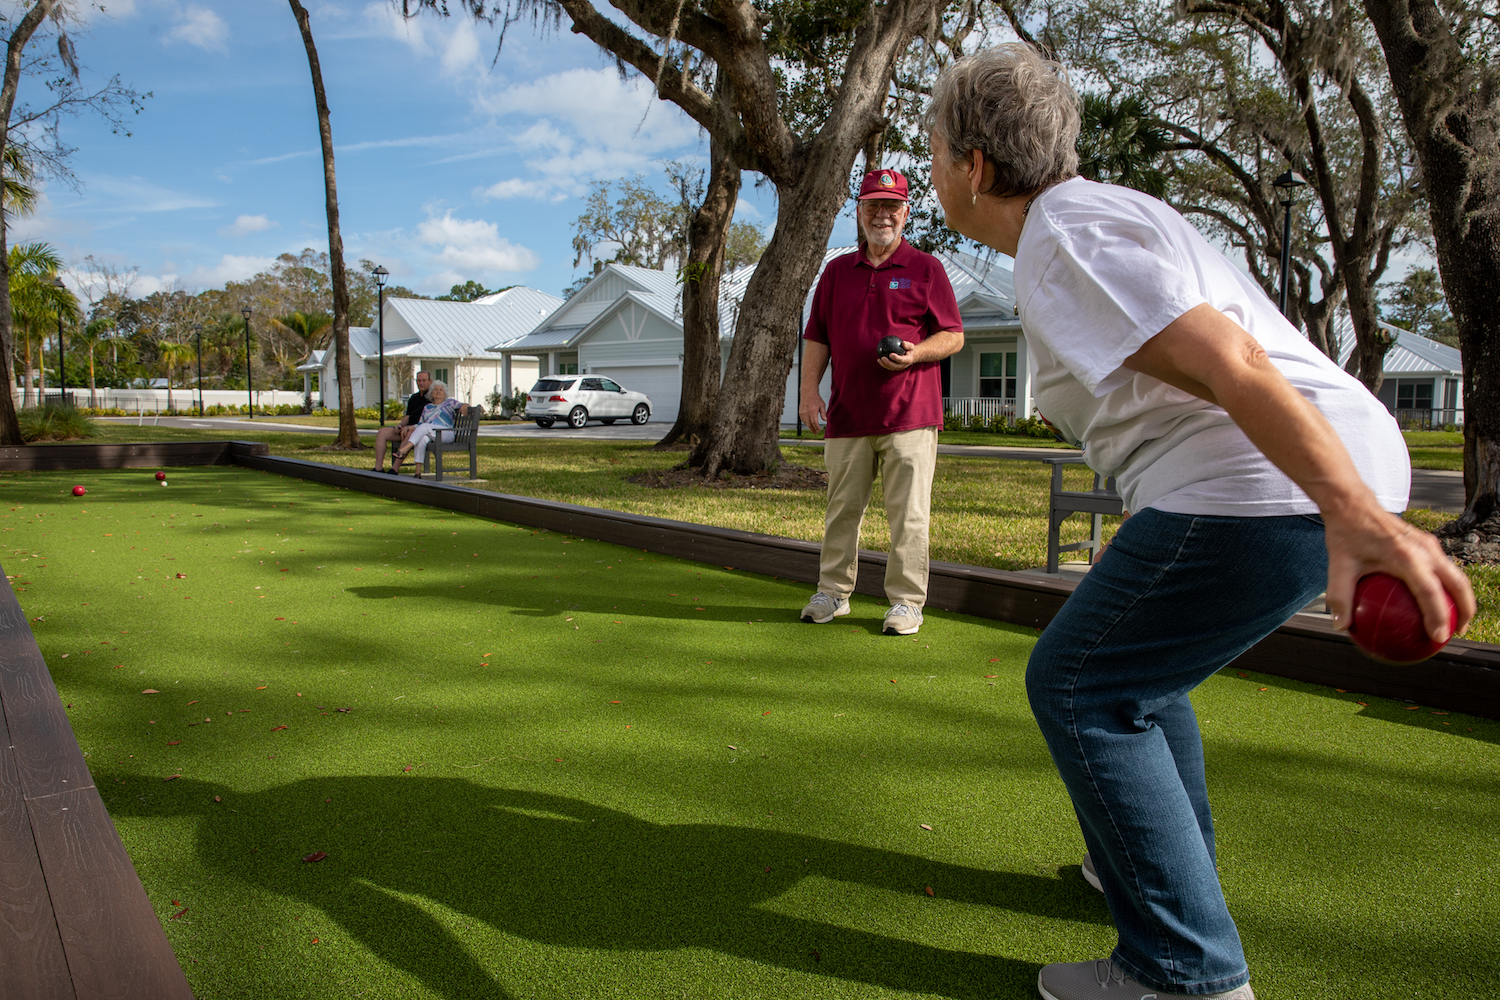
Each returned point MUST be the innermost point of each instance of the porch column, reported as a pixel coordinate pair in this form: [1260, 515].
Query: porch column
[505, 376]
[1023, 378]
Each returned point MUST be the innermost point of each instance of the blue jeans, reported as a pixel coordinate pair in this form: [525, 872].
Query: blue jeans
[1174, 598]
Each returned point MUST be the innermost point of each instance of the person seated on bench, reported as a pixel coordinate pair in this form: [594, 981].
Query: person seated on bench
[400, 432]
[436, 422]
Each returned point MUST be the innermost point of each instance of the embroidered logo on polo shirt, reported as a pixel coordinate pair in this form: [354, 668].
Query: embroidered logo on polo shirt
[900, 282]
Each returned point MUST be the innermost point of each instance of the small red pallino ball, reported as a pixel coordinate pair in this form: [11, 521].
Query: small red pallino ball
[161, 475]
[79, 491]
[1387, 624]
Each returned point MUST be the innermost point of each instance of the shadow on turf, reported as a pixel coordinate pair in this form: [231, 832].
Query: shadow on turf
[570, 874]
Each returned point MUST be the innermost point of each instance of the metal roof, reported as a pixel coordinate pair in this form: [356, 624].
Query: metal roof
[1410, 354]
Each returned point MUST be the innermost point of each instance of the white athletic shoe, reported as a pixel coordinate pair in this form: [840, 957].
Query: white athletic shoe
[1089, 874]
[824, 608]
[902, 619]
[1103, 980]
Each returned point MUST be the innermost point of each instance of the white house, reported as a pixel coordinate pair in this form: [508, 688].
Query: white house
[626, 324]
[448, 339]
[1424, 380]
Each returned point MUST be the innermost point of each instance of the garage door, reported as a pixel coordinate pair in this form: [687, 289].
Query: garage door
[663, 383]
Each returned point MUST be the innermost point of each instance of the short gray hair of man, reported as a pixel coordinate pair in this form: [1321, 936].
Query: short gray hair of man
[1015, 107]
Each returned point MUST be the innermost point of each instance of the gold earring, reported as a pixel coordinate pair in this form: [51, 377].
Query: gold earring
[974, 198]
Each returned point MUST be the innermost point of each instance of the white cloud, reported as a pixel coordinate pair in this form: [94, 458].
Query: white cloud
[473, 247]
[231, 267]
[244, 225]
[745, 211]
[600, 107]
[517, 188]
[203, 28]
[132, 194]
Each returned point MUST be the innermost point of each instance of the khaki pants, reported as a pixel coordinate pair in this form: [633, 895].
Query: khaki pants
[904, 462]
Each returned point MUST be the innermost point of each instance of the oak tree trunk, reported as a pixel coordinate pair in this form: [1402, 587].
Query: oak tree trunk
[10, 428]
[708, 232]
[1454, 122]
[348, 433]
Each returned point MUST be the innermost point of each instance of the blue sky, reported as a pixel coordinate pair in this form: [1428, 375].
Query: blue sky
[449, 167]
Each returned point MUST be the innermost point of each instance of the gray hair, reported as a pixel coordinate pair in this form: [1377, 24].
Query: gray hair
[437, 382]
[1016, 108]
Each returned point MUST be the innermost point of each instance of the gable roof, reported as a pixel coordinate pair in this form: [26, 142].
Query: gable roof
[1410, 354]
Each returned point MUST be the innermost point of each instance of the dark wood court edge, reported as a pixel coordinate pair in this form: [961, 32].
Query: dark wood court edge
[74, 920]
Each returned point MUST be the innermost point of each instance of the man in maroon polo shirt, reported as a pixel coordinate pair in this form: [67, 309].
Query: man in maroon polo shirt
[885, 410]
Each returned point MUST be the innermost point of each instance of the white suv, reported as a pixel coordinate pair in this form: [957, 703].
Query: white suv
[577, 399]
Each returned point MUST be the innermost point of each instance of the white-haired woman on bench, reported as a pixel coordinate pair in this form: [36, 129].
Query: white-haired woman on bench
[436, 423]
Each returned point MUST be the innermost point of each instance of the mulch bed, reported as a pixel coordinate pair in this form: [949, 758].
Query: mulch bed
[787, 477]
[1480, 545]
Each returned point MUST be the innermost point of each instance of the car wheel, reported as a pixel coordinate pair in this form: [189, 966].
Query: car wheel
[544, 423]
[640, 414]
[578, 417]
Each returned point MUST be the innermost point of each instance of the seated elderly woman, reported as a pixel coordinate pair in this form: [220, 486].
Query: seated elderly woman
[436, 422]
[1257, 471]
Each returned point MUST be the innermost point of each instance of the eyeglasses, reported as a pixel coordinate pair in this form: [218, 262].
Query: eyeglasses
[876, 208]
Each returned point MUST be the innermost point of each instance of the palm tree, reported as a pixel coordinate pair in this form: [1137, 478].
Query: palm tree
[172, 356]
[309, 331]
[92, 337]
[19, 197]
[1122, 143]
[34, 299]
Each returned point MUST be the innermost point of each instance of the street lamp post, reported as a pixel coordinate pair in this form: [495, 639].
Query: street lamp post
[249, 382]
[381, 274]
[198, 336]
[62, 358]
[1286, 184]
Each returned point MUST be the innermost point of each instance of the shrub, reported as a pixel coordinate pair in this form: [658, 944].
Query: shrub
[55, 422]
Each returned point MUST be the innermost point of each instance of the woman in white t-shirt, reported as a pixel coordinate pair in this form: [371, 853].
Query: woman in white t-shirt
[1257, 472]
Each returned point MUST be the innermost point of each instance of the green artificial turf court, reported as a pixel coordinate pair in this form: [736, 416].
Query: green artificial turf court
[546, 767]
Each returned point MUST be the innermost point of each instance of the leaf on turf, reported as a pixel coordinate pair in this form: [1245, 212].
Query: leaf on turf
[151, 691]
[173, 743]
[171, 777]
[218, 798]
[925, 827]
[193, 702]
[262, 687]
[178, 913]
[315, 856]
[930, 892]
[732, 747]
[994, 659]
[1439, 713]
[408, 767]
[278, 729]
[1412, 708]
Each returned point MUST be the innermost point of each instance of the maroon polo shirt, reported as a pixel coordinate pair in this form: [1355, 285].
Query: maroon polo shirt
[855, 305]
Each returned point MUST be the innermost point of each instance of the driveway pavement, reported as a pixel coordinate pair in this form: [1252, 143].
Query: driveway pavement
[1436, 490]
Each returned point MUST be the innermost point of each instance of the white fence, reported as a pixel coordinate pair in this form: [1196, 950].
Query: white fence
[183, 400]
[987, 407]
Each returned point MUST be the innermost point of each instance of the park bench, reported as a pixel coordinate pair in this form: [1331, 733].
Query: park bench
[465, 438]
[1062, 504]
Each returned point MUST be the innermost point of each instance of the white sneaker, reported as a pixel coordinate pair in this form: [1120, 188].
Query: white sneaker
[1089, 874]
[1103, 980]
[824, 608]
[902, 619]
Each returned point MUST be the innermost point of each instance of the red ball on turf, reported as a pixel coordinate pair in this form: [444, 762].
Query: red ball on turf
[79, 491]
[161, 475]
[1387, 623]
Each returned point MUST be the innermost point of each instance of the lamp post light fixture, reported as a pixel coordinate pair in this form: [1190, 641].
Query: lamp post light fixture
[62, 358]
[381, 274]
[249, 382]
[198, 336]
[1286, 184]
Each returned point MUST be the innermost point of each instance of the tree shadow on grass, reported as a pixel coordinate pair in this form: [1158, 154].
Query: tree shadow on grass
[570, 874]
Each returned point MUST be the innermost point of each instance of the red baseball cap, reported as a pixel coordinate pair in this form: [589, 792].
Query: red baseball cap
[883, 184]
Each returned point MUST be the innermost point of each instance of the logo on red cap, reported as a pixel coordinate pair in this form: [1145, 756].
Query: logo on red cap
[887, 181]
[883, 184]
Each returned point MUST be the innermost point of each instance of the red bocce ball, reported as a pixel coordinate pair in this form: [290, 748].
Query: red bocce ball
[1387, 623]
[79, 491]
[160, 476]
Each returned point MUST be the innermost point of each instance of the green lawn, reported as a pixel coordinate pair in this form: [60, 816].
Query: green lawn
[1435, 449]
[543, 767]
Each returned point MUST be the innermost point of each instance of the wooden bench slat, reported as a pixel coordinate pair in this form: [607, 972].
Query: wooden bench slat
[46, 755]
[111, 934]
[32, 963]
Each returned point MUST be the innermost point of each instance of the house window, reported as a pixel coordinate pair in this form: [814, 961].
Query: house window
[567, 368]
[1414, 395]
[1450, 393]
[997, 375]
[440, 375]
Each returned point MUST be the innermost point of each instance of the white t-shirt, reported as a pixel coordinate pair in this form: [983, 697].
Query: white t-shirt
[1102, 269]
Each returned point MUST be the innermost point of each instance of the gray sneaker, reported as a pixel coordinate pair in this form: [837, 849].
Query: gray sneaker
[1089, 874]
[824, 608]
[902, 619]
[1102, 980]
